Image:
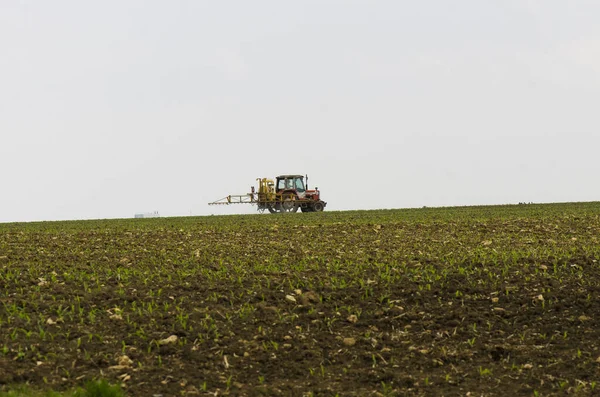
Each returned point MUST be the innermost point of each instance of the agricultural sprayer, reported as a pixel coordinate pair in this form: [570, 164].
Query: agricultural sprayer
[286, 194]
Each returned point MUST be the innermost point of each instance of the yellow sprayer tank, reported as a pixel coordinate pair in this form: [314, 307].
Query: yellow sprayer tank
[266, 189]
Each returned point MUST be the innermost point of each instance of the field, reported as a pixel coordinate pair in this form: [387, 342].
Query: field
[491, 301]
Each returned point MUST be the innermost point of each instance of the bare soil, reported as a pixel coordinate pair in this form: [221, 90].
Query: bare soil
[416, 303]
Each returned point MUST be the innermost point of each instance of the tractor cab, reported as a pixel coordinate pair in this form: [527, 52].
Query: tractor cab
[291, 182]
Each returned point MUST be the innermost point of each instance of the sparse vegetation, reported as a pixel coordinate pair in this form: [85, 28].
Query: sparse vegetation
[487, 300]
[91, 389]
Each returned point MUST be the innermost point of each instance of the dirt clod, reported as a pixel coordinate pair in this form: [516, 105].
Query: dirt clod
[290, 298]
[125, 361]
[169, 340]
[309, 298]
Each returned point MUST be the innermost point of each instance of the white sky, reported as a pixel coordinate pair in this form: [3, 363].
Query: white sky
[109, 108]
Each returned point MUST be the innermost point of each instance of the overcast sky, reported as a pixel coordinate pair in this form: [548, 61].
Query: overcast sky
[109, 108]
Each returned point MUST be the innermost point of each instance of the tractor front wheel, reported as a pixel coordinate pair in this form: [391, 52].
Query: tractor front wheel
[318, 206]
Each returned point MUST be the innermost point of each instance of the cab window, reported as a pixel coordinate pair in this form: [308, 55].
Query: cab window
[299, 185]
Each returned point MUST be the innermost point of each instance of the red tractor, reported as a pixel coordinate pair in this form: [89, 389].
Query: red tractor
[291, 193]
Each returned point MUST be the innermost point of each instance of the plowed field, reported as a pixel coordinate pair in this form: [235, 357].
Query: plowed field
[491, 301]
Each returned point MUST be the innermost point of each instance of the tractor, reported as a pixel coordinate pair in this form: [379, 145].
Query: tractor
[287, 193]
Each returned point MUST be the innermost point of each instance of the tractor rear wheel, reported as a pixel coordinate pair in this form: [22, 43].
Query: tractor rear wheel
[272, 209]
[289, 203]
[318, 206]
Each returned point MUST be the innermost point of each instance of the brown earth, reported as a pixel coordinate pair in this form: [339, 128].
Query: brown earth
[484, 301]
